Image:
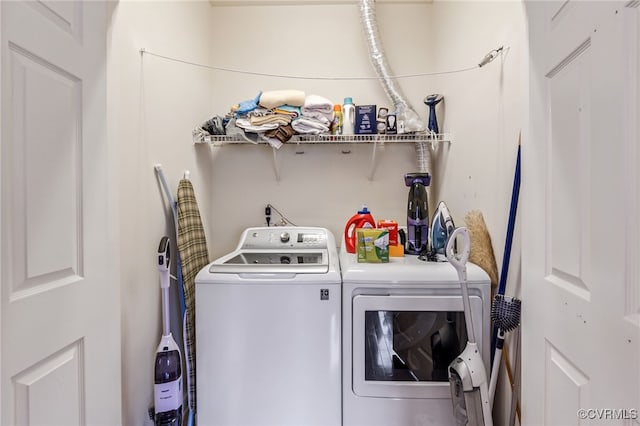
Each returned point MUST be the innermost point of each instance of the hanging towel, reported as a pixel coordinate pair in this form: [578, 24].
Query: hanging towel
[192, 246]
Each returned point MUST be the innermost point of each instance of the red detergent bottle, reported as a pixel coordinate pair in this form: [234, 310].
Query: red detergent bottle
[362, 219]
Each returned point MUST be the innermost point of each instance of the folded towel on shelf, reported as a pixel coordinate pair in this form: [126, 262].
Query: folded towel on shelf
[247, 106]
[275, 98]
[279, 119]
[318, 107]
[290, 110]
[245, 123]
[278, 136]
[232, 129]
[309, 126]
[260, 111]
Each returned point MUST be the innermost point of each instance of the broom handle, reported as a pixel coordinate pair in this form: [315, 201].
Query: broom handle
[515, 392]
[507, 366]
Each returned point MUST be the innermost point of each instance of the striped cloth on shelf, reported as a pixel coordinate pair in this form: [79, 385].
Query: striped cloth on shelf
[192, 246]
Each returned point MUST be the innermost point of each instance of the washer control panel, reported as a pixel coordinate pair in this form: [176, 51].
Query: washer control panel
[278, 237]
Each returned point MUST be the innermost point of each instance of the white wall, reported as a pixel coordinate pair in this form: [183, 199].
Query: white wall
[154, 104]
[483, 111]
[323, 187]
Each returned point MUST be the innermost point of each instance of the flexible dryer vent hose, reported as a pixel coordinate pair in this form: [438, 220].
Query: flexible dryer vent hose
[405, 114]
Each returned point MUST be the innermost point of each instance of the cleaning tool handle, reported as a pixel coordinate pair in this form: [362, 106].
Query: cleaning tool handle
[495, 368]
[458, 258]
[506, 258]
[459, 261]
[164, 260]
[515, 194]
[487, 415]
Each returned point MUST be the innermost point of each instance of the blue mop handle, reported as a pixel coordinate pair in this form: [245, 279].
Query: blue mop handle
[512, 221]
[515, 193]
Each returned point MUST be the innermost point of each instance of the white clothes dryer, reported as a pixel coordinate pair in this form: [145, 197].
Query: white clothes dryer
[268, 320]
[403, 323]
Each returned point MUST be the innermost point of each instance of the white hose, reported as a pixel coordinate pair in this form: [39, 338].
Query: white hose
[423, 157]
[405, 115]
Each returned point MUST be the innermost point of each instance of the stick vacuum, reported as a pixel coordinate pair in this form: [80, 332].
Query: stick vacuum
[167, 390]
[417, 212]
[467, 375]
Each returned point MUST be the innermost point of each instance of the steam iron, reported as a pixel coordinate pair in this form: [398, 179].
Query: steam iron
[431, 101]
[441, 228]
[417, 213]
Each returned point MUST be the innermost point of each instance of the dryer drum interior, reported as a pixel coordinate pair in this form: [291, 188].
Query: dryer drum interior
[412, 345]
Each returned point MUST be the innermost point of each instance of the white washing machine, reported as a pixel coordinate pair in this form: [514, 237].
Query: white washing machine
[268, 323]
[403, 323]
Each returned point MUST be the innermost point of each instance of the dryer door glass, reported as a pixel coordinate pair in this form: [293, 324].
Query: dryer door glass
[403, 344]
[412, 346]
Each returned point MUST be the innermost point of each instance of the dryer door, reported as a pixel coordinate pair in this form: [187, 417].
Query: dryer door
[403, 344]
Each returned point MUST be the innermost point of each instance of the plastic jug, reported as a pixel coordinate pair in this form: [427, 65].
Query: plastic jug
[362, 219]
[348, 117]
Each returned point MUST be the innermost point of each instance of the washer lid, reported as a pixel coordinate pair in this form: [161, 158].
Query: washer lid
[273, 262]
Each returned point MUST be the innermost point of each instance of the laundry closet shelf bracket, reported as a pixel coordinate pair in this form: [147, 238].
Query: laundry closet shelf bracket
[276, 164]
[377, 141]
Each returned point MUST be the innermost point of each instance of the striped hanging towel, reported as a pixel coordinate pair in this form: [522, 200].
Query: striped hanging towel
[192, 246]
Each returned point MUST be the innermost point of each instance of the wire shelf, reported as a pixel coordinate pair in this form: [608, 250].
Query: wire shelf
[220, 140]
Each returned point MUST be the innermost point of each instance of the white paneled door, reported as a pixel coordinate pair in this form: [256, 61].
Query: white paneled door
[60, 318]
[581, 291]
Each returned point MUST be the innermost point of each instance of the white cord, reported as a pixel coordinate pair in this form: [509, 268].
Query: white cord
[283, 219]
[484, 61]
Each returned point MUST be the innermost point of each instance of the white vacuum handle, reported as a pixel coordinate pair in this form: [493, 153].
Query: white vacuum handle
[458, 258]
[164, 261]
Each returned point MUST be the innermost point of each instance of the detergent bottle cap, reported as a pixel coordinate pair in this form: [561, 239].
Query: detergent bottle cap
[348, 101]
[363, 210]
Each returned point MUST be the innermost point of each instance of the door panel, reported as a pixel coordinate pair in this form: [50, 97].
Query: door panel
[45, 177]
[580, 215]
[566, 388]
[568, 178]
[66, 15]
[37, 390]
[60, 341]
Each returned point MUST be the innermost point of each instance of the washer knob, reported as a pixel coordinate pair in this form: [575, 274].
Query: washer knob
[284, 237]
